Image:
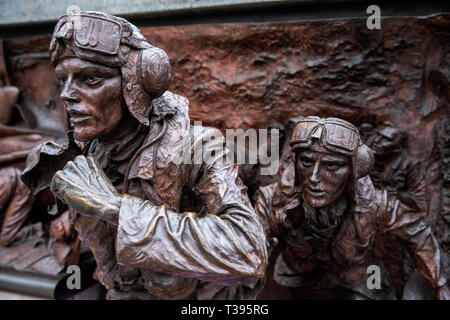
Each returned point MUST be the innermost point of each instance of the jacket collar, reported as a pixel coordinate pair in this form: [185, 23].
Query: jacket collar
[170, 111]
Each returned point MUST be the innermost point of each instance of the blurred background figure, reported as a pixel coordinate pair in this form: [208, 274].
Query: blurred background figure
[395, 170]
[29, 238]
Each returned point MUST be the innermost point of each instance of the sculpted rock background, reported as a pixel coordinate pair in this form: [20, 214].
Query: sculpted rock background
[253, 75]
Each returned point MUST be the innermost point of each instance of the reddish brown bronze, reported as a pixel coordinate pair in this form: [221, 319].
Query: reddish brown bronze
[250, 76]
[327, 214]
[26, 243]
[125, 189]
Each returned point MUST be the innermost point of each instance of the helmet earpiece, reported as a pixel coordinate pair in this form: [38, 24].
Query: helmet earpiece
[154, 71]
[146, 76]
[363, 161]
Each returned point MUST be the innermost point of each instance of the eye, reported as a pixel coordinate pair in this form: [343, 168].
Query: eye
[92, 81]
[61, 80]
[332, 166]
[306, 162]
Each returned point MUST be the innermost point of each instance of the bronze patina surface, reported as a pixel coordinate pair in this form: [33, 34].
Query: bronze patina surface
[393, 84]
[327, 214]
[125, 188]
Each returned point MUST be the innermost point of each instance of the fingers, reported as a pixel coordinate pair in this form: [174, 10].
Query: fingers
[83, 170]
[84, 186]
[93, 164]
[100, 176]
[72, 194]
[61, 185]
[76, 171]
[82, 163]
[55, 184]
[88, 173]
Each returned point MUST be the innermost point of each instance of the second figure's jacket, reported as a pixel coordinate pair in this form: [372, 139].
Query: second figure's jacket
[341, 238]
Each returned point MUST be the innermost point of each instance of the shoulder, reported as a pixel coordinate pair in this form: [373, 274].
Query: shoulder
[265, 197]
[199, 132]
[169, 105]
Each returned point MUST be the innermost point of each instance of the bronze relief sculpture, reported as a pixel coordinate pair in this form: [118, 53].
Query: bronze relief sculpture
[27, 243]
[162, 229]
[326, 214]
[394, 169]
[122, 181]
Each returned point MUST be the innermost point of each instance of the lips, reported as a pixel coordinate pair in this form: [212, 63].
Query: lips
[75, 120]
[76, 117]
[314, 192]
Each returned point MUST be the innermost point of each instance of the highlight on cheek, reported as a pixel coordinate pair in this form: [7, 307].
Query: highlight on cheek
[323, 175]
[99, 106]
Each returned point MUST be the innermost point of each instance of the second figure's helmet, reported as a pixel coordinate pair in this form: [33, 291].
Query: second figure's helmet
[335, 135]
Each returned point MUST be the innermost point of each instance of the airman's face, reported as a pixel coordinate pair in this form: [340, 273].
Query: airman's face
[323, 175]
[93, 97]
[386, 141]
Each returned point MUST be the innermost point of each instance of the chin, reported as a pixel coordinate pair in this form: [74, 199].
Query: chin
[83, 136]
[316, 202]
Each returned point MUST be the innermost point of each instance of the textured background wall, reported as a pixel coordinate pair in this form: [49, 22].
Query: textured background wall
[252, 75]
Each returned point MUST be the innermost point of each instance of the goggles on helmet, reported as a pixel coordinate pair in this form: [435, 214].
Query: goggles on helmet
[93, 33]
[96, 33]
[334, 134]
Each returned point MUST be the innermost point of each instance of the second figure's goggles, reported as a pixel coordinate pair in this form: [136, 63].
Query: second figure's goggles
[334, 134]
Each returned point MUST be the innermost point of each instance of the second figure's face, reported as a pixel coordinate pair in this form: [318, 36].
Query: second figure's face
[93, 97]
[323, 175]
[385, 141]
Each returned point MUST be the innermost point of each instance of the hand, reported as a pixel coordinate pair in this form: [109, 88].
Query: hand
[84, 186]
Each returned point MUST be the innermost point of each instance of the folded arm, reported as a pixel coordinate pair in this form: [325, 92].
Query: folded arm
[225, 244]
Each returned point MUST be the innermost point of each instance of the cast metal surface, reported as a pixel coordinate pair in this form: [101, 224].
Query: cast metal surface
[28, 242]
[126, 179]
[326, 214]
[29, 283]
[261, 74]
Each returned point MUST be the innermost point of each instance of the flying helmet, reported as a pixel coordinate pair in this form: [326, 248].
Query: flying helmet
[335, 135]
[114, 42]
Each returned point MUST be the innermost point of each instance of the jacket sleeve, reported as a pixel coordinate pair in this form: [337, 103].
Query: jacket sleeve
[263, 208]
[225, 243]
[411, 226]
[275, 201]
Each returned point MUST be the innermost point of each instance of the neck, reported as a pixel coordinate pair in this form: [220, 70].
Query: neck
[327, 216]
[339, 204]
[126, 126]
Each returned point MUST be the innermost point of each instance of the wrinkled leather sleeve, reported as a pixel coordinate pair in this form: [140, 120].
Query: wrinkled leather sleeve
[224, 245]
[264, 209]
[409, 225]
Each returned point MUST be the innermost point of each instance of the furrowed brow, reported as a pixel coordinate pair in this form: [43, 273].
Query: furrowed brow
[97, 70]
[335, 160]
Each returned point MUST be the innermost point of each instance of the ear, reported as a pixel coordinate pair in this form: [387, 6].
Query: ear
[154, 71]
[362, 161]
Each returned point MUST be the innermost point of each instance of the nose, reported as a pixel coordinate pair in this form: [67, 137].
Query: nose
[68, 92]
[315, 174]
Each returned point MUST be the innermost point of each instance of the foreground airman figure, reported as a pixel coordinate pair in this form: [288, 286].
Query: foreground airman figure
[126, 186]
